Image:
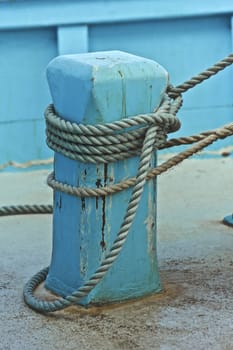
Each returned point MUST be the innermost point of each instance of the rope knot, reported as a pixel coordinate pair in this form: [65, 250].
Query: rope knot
[110, 142]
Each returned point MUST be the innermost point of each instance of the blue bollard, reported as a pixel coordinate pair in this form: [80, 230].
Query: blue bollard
[99, 88]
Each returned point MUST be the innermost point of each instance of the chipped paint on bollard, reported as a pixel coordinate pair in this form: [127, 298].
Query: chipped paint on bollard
[99, 88]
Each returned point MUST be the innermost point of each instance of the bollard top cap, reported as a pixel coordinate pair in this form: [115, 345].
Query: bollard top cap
[105, 86]
[103, 58]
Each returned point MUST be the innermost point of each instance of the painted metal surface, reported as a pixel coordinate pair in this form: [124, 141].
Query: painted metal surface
[34, 13]
[185, 37]
[94, 88]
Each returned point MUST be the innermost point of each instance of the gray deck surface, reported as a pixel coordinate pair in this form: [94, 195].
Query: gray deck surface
[195, 310]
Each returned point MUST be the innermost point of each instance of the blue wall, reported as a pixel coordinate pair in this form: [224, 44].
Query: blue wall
[185, 37]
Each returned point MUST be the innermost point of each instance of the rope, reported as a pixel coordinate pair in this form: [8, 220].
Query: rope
[110, 142]
[27, 164]
[204, 139]
[173, 92]
[105, 143]
[26, 209]
[221, 133]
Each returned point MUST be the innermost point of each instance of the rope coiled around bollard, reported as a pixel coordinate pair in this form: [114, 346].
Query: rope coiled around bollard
[110, 142]
[201, 141]
[99, 143]
[162, 121]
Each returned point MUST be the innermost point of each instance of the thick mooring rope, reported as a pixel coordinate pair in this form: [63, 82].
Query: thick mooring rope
[26, 209]
[105, 143]
[110, 142]
[199, 78]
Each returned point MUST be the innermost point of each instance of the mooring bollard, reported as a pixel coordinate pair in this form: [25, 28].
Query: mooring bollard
[97, 88]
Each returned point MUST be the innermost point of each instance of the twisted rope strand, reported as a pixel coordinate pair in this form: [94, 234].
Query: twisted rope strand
[173, 92]
[222, 133]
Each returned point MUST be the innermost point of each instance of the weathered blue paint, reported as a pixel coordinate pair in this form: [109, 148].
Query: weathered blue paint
[184, 36]
[98, 88]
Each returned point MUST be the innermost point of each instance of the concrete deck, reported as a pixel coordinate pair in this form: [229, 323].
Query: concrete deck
[196, 261]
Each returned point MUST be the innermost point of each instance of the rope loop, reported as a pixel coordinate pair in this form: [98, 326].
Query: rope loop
[110, 142]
